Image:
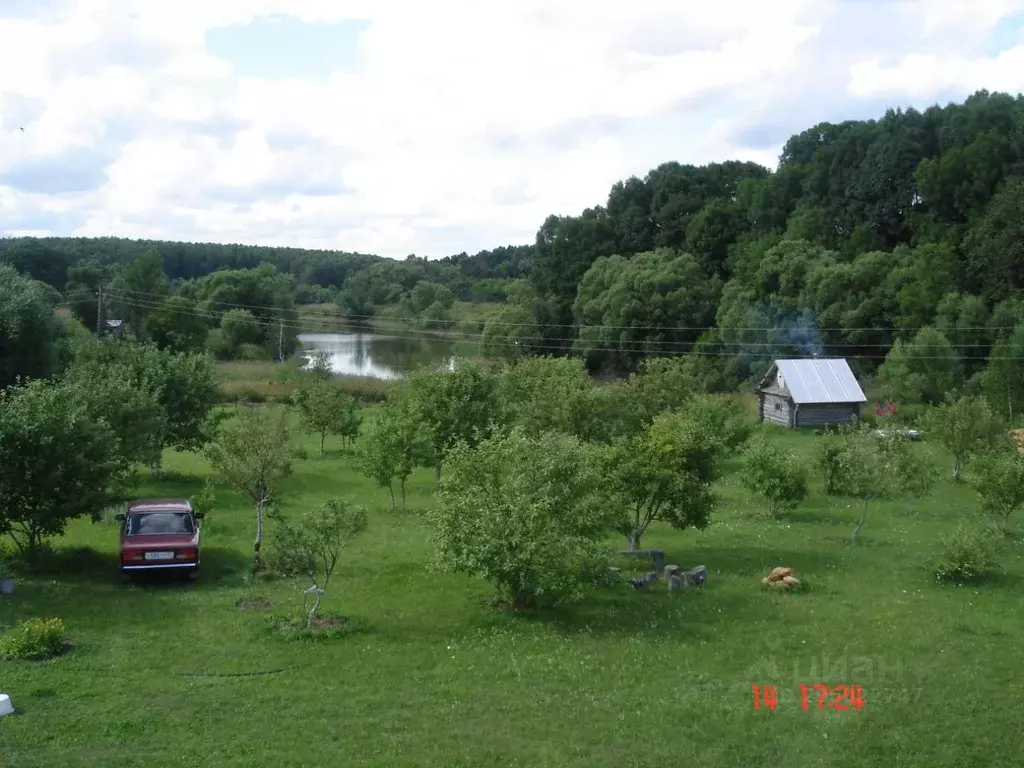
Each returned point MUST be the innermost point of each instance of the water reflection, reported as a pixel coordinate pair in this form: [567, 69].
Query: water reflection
[377, 355]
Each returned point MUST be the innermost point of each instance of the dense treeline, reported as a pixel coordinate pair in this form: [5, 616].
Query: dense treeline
[896, 243]
[867, 233]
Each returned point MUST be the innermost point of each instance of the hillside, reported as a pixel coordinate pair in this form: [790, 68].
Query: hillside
[867, 234]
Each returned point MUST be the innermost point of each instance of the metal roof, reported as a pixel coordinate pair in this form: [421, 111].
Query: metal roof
[820, 381]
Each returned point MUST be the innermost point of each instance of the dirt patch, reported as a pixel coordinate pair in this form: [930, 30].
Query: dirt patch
[256, 604]
[326, 623]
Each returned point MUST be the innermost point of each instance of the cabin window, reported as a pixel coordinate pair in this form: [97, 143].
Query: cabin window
[778, 406]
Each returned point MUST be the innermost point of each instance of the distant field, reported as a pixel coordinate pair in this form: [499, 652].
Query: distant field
[177, 675]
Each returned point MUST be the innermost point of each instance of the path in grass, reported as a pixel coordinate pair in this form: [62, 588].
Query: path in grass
[160, 675]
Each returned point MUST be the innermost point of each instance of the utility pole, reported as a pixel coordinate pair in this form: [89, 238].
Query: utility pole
[280, 342]
[99, 310]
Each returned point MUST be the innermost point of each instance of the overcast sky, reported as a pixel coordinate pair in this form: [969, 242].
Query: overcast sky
[405, 126]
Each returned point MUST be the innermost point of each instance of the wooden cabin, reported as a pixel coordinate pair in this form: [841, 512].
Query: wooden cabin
[809, 393]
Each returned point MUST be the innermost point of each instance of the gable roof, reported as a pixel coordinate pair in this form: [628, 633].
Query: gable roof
[818, 381]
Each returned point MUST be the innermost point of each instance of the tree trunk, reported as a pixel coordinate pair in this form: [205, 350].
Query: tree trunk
[956, 470]
[323, 436]
[317, 593]
[402, 484]
[634, 539]
[860, 523]
[391, 490]
[437, 473]
[259, 536]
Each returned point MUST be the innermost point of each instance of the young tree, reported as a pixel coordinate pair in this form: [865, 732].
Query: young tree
[776, 475]
[663, 473]
[393, 446]
[451, 406]
[313, 546]
[967, 427]
[57, 461]
[324, 407]
[526, 513]
[863, 465]
[351, 424]
[251, 455]
[1000, 485]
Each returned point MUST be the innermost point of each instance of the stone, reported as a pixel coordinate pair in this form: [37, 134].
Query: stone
[791, 581]
[674, 581]
[695, 577]
[779, 573]
[643, 582]
[671, 570]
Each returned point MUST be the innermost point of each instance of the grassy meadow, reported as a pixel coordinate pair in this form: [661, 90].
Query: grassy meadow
[174, 674]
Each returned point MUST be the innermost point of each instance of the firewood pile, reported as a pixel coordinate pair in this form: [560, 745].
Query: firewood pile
[781, 578]
[1018, 435]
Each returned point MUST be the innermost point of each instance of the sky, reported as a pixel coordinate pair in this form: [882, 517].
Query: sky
[402, 126]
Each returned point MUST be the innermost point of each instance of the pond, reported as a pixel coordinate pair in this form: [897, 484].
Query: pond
[377, 355]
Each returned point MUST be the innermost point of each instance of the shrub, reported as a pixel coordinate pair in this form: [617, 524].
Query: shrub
[970, 555]
[34, 640]
[527, 513]
[830, 463]
[775, 474]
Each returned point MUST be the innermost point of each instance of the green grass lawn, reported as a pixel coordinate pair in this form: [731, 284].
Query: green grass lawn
[177, 675]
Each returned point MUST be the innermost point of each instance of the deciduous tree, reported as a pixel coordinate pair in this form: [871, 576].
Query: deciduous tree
[313, 545]
[861, 464]
[774, 474]
[325, 408]
[392, 446]
[57, 461]
[966, 427]
[525, 512]
[1000, 485]
[663, 473]
[251, 455]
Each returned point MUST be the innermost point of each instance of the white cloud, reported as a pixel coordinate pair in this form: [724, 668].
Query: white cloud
[922, 75]
[466, 123]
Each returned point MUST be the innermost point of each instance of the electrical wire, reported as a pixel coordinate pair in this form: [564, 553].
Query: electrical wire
[570, 344]
[146, 296]
[340, 324]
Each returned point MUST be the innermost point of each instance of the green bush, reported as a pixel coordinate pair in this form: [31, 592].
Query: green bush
[830, 464]
[969, 556]
[33, 640]
[776, 475]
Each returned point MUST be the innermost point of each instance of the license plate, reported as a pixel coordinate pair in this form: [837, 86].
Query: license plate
[159, 555]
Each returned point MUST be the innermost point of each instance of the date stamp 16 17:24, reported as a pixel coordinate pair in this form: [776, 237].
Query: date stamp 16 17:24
[839, 698]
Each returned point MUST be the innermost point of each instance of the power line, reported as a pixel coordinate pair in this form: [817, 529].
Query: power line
[338, 324]
[583, 346]
[835, 329]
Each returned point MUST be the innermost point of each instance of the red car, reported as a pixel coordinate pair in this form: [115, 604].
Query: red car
[160, 534]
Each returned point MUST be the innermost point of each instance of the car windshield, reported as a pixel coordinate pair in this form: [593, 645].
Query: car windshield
[147, 523]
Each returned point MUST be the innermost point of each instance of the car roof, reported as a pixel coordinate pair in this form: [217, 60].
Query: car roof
[153, 505]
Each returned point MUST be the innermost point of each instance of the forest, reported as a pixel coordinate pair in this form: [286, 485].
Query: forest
[897, 243]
